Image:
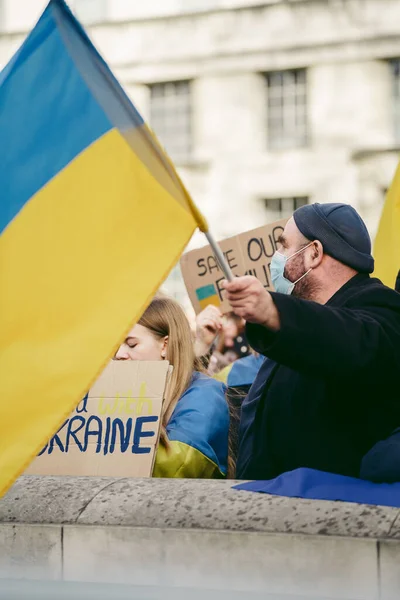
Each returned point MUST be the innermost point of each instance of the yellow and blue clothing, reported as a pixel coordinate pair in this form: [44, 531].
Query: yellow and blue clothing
[198, 433]
[242, 372]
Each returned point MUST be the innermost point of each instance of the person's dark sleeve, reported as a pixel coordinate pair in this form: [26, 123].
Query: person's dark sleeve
[331, 341]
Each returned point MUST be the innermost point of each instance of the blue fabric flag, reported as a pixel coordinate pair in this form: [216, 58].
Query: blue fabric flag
[318, 485]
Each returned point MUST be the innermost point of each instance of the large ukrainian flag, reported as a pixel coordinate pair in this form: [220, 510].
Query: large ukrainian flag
[387, 242]
[92, 218]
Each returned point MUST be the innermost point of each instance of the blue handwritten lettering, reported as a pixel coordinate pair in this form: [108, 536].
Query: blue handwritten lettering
[124, 437]
[43, 450]
[56, 439]
[138, 434]
[107, 436]
[72, 432]
[96, 432]
[82, 406]
[109, 433]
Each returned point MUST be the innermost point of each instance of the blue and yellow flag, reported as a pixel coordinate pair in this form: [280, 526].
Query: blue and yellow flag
[197, 433]
[387, 242]
[92, 218]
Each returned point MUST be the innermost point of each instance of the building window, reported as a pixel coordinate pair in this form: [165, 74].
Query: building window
[91, 11]
[287, 109]
[283, 208]
[170, 117]
[395, 67]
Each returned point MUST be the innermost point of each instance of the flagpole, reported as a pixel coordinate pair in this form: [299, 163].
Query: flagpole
[219, 255]
[201, 221]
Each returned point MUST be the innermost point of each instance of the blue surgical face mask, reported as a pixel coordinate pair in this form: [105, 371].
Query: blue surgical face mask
[277, 267]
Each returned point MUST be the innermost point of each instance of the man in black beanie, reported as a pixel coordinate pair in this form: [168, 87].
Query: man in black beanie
[327, 393]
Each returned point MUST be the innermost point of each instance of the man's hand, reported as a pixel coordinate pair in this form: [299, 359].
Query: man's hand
[208, 326]
[252, 302]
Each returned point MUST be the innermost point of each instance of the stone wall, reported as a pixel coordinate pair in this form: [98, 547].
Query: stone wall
[196, 536]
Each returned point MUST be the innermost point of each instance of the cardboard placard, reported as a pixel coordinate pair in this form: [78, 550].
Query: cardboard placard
[114, 430]
[249, 253]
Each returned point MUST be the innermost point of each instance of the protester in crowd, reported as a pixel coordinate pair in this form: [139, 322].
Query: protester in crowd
[327, 392]
[238, 375]
[230, 345]
[241, 372]
[195, 418]
[233, 339]
[208, 326]
[219, 339]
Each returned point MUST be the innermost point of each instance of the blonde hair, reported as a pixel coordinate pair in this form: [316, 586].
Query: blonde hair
[165, 317]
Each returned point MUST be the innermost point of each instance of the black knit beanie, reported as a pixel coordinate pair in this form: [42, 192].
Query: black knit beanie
[341, 231]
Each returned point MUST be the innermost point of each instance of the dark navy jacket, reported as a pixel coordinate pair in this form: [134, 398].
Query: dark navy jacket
[329, 390]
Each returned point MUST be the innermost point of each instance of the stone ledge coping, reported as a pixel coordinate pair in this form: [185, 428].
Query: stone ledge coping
[187, 504]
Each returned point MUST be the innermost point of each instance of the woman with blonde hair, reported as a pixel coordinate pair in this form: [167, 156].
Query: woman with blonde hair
[195, 418]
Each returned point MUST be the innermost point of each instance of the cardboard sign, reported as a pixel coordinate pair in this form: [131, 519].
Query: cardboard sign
[249, 253]
[114, 430]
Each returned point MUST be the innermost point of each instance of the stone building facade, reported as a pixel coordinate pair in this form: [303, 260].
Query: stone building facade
[263, 105]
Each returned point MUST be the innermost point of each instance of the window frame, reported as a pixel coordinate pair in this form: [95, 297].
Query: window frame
[287, 109]
[281, 212]
[173, 124]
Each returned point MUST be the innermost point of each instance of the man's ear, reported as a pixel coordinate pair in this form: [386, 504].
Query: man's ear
[316, 254]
